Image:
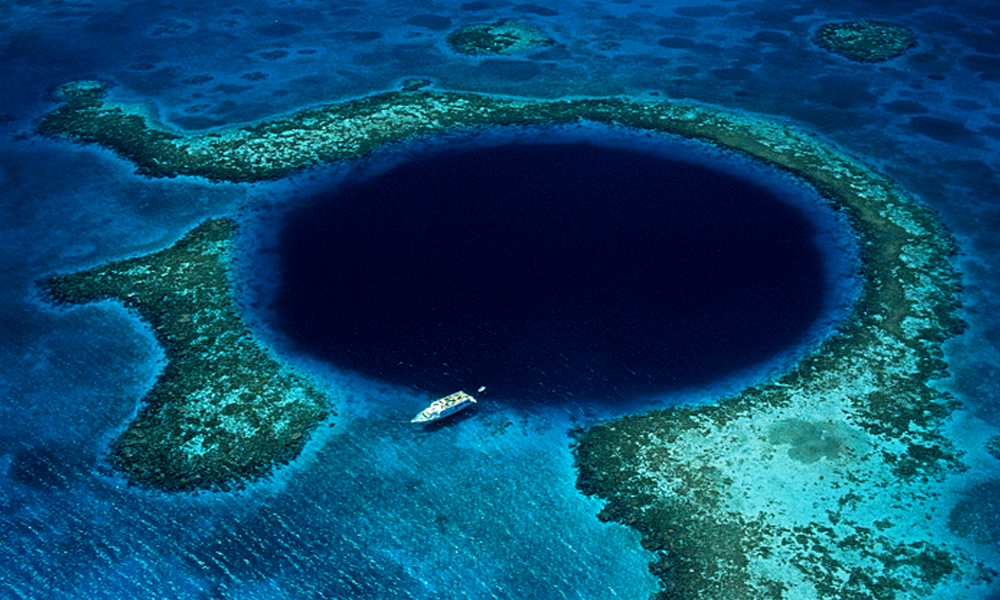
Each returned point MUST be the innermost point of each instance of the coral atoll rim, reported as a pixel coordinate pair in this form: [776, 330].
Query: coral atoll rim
[224, 410]
[806, 485]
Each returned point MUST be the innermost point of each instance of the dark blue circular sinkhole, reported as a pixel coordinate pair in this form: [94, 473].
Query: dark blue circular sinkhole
[548, 270]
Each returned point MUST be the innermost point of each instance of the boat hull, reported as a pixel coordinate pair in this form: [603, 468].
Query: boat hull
[443, 407]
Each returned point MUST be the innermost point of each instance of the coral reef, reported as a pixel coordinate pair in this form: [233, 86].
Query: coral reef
[865, 41]
[224, 410]
[993, 446]
[500, 37]
[810, 484]
[414, 84]
[814, 484]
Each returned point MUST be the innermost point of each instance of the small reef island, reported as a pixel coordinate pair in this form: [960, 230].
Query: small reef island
[500, 37]
[865, 41]
[815, 484]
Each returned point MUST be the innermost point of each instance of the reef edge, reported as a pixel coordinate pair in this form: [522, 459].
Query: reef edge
[807, 485]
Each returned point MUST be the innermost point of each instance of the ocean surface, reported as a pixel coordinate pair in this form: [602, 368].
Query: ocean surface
[575, 264]
[485, 506]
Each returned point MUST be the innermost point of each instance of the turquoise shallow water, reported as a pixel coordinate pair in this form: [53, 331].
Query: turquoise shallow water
[486, 508]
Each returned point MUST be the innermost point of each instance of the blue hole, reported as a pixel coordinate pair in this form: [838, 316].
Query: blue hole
[548, 271]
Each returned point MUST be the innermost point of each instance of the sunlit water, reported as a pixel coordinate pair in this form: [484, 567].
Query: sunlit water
[485, 507]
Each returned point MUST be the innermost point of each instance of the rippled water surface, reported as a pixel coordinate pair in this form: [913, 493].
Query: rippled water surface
[485, 506]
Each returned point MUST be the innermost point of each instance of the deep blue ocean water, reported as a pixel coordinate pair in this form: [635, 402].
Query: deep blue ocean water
[550, 272]
[363, 514]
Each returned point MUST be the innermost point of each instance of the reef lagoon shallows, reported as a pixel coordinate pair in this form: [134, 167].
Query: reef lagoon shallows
[734, 497]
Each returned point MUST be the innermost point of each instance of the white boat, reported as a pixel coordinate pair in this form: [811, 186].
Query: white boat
[442, 407]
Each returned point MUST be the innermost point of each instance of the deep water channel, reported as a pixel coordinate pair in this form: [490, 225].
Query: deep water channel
[556, 265]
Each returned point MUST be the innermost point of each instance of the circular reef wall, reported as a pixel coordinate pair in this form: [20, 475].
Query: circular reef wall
[814, 484]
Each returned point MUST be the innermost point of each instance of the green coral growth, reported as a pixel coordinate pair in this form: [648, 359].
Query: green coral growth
[865, 41]
[500, 37]
[729, 513]
[993, 446]
[224, 410]
[806, 485]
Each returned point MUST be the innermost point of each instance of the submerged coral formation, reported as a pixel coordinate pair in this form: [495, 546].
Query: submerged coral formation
[224, 410]
[993, 446]
[810, 485]
[865, 41]
[500, 37]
